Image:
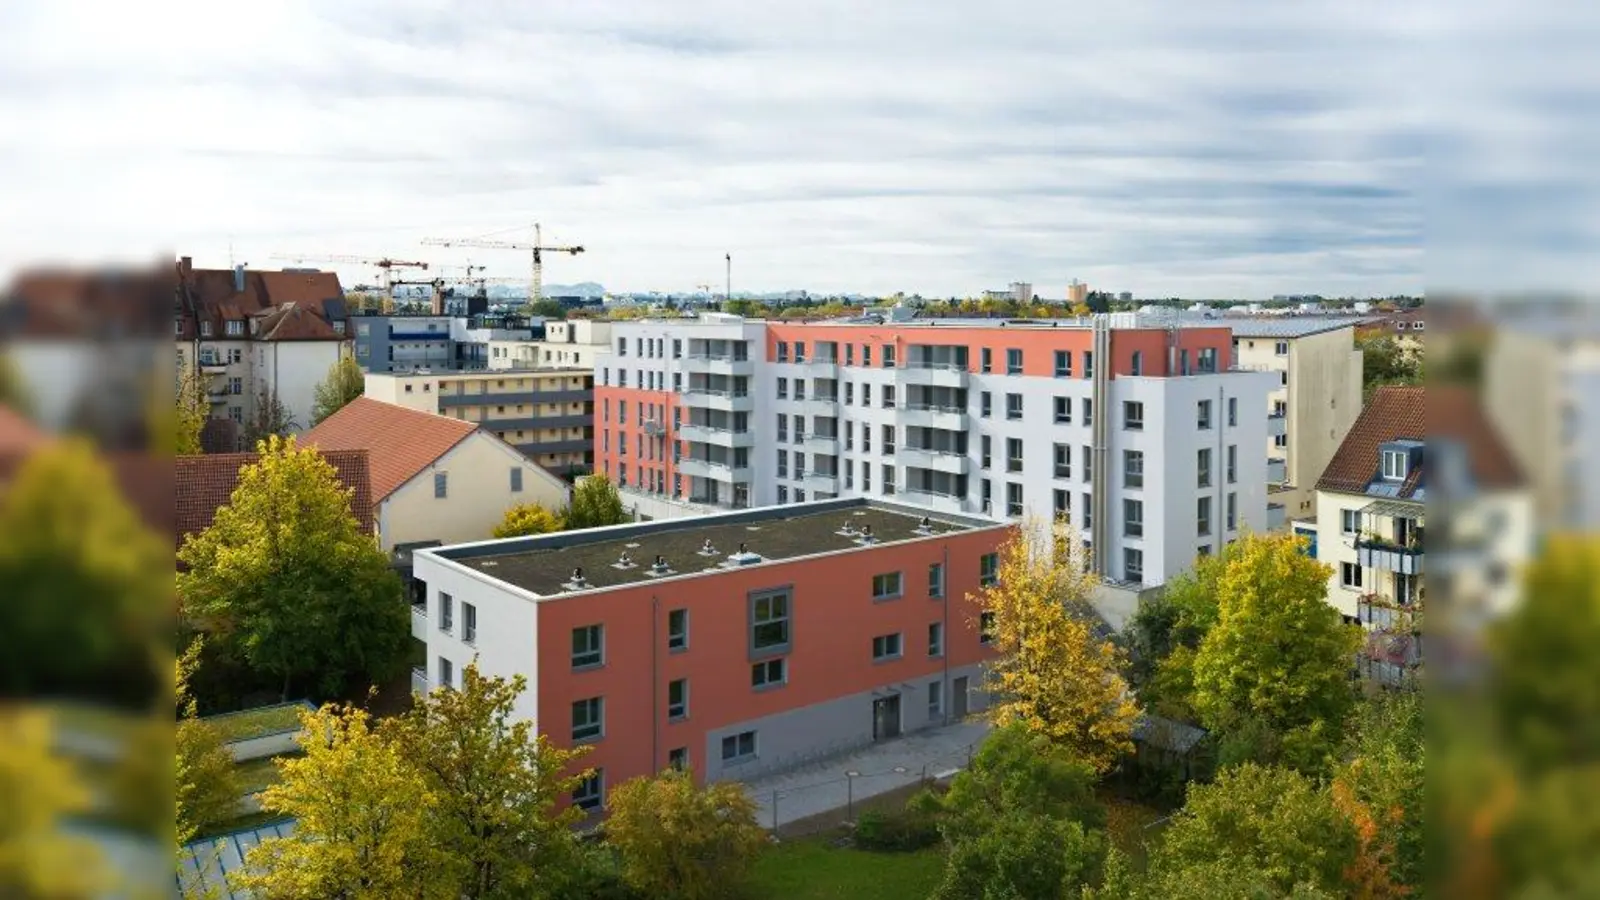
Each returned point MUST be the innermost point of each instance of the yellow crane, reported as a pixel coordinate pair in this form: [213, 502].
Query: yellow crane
[536, 286]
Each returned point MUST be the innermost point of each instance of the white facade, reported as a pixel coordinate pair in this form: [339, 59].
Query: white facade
[507, 649]
[292, 370]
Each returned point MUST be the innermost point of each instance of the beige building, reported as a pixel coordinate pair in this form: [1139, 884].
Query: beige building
[546, 414]
[1317, 400]
[435, 478]
[568, 344]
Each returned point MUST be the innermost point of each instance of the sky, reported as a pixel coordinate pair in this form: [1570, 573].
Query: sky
[1200, 150]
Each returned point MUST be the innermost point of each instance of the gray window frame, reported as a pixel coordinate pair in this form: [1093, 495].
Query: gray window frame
[681, 638]
[598, 723]
[441, 485]
[683, 701]
[895, 594]
[599, 652]
[765, 666]
[754, 599]
[887, 655]
[738, 755]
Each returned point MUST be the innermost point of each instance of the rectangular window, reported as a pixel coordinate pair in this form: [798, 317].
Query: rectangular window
[783, 464]
[441, 485]
[1133, 518]
[935, 700]
[849, 393]
[1061, 503]
[783, 492]
[989, 569]
[1133, 468]
[866, 395]
[888, 396]
[516, 479]
[888, 440]
[447, 612]
[769, 622]
[1203, 415]
[1349, 521]
[888, 356]
[1014, 406]
[588, 646]
[1281, 348]
[936, 581]
[588, 719]
[1013, 454]
[1350, 575]
[1063, 460]
[1013, 499]
[446, 673]
[783, 388]
[849, 354]
[1063, 363]
[677, 348]
[936, 639]
[1132, 415]
[1063, 410]
[1202, 461]
[1394, 465]
[986, 357]
[678, 629]
[1088, 510]
[783, 351]
[1088, 462]
[1203, 516]
[985, 628]
[799, 351]
[1233, 463]
[1088, 363]
[886, 646]
[1137, 366]
[984, 404]
[886, 586]
[888, 479]
[1013, 361]
[589, 795]
[469, 623]
[866, 354]
[1233, 511]
[1088, 411]
[739, 747]
[985, 444]
[768, 673]
[1233, 411]
[677, 699]
[1133, 564]
[678, 758]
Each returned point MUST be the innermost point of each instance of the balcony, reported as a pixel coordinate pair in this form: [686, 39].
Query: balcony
[934, 460]
[419, 622]
[1277, 516]
[419, 681]
[931, 375]
[816, 406]
[1386, 555]
[535, 423]
[726, 401]
[711, 434]
[820, 482]
[1277, 471]
[212, 365]
[821, 367]
[716, 471]
[827, 444]
[947, 418]
[1277, 425]
[716, 365]
[218, 395]
[938, 502]
[501, 398]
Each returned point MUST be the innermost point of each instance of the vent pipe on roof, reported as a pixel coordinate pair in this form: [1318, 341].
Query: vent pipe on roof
[577, 578]
[238, 279]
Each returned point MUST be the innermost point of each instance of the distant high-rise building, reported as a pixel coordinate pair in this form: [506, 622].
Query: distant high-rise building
[1077, 292]
[1022, 291]
[1126, 296]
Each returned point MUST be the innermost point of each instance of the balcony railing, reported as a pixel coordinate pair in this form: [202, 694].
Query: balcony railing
[1389, 556]
[935, 500]
[933, 374]
[419, 681]
[419, 622]
[1277, 424]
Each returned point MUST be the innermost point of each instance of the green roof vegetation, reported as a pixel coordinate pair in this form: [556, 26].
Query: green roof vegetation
[259, 722]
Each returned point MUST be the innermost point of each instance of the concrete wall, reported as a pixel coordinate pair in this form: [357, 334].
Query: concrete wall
[479, 493]
[294, 369]
[508, 628]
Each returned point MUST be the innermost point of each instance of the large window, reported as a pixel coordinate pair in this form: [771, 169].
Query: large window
[936, 581]
[447, 612]
[1063, 363]
[678, 629]
[1132, 415]
[1013, 454]
[588, 719]
[936, 639]
[469, 623]
[1350, 575]
[1203, 516]
[1063, 466]
[886, 646]
[1133, 518]
[1133, 564]
[1394, 465]
[886, 586]
[588, 646]
[769, 622]
[590, 792]
[1203, 467]
[1133, 468]
[1203, 415]
[1014, 406]
[1013, 362]
[1013, 499]
[1063, 410]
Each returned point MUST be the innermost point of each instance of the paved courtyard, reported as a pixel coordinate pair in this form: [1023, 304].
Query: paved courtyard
[836, 783]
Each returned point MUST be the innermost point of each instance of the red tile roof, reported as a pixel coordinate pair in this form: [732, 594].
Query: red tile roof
[1456, 413]
[1393, 413]
[400, 442]
[205, 483]
[279, 306]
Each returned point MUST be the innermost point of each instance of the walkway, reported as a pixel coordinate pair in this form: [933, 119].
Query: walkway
[837, 783]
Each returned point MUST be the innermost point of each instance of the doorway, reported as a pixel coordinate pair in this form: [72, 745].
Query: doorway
[886, 718]
[958, 699]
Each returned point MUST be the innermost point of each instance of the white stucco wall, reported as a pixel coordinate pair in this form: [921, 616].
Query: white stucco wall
[507, 639]
[478, 494]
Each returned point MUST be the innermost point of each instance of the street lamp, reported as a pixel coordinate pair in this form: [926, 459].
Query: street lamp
[850, 794]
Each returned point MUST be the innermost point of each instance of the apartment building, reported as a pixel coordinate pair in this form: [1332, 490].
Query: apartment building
[1310, 409]
[570, 343]
[1003, 419]
[255, 334]
[547, 414]
[436, 343]
[736, 644]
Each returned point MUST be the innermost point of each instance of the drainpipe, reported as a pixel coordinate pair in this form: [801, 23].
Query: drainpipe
[655, 684]
[944, 636]
[1099, 495]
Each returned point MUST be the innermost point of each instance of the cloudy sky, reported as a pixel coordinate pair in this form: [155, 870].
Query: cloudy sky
[1199, 149]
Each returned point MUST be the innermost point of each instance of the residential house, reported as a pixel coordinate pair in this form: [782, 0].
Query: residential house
[205, 483]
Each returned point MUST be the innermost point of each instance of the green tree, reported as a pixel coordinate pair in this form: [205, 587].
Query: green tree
[190, 410]
[70, 536]
[549, 309]
[494, 784]
[1379, 788]
[361, 830]
[14, 392]
[1270, 820]
[270, 418]
[527, 518]
[285, 573]
[595, 503]
[1383, 361]
[681, 842]
[1217, 879]
[1165, 633]
[1279, 655]
[345, 382]
[1053, 672]
[1023, 856]
[42, 790]
[208, 785]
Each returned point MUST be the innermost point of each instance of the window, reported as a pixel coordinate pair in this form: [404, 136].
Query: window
[984, 404]
[739, 747]
[446, 673]
[936, 581]
[849, 393]
[799, 351]
[886, 646]
[1063, 410]
[783, 492]
[1281, 348]
[1088, 463]
[989, 569]
[769, 622]
[986, 359]
[1013, 362]
[1233, 411]
[783, 388]
[1088, 411]
[1280, 441]
[236, 385]
[1063, 467]
[469, 623]
[205, 329]
[866, 395]
[1204, 550]
[888, 479]
[1014, 406]
[888, 356]
[783, 464]
[866, 354]
[866, 467]
[935, 700]
[768, 673]
[1063, 363]
[783, 351]
[886, 586]
[1133, 468]
[1088, 363]
[1061, 503]
[1349, 521]
[1203, 516]
[1350, 575]
[1133, 518]
[588, 646]
[235, 327]
[1203, 415]
[678, 758]
[935, 638]
[1202, 461]
[1088, 510]
[1183, 362]
[1137, 365]
[677, 348]
[1394, 465]
[1013, 499]
[888, 396]
[441, 485]
[677, 699]
[1013, 454]
[1133, 564]
[1132, 415]
[849, 354]
[588, 719]
[985, 444]
[516, 479]
[678, 629]
[589, 795]
[888, 440]
[1233, 511]
[985, 627]
[1233, 463]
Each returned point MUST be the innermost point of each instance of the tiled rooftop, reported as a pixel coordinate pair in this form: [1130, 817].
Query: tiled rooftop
[545, 565]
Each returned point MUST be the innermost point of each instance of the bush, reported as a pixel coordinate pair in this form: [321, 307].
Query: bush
[905, 831]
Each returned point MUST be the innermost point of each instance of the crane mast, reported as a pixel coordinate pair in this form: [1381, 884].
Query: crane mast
[537, 249]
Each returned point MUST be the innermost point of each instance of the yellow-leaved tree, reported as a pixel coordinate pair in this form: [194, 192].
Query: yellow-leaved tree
[40, 790]
[1054, 673]
[528, 518]
[679, 842]
[208, 784]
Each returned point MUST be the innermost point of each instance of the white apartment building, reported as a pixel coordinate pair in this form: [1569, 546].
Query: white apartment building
[567, 344]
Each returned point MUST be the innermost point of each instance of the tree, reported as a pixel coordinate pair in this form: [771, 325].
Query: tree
[527, 518]
[1279, 655]
[595, 503]
[42, 790]
[1053, 673]
[1379, 788]
[270, 418]
[494, 784]
[345, 382]
[1023, 857]
[69, 536]
[190, 410]
[1384, 362]
[286, 575]
[1219, 879]
[361, 820]
[14, 391]
[1165, 633]
[208, 787]
[682, 842]
[1270, 820]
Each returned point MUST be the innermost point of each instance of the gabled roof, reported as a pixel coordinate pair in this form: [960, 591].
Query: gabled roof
[1456, 413]
[205, 483]
[400, 442]
[1394, 413]
[286, 305]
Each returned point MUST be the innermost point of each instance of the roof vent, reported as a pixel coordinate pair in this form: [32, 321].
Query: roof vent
[659, 567]
[866, 535]
[744, 557]
[848, 529]
[577, 582]
[706, 549]
[625, 561]
[925, 526]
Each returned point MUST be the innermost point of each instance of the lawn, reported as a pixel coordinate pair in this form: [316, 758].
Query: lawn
[259, 774]
[259, 722]
[809, 869]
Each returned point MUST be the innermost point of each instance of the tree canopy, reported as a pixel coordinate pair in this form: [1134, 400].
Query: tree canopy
[680, 842]
[595, 503]
[190, 409]
[526, 519]
[42, 790]
[270, 418]
[345, 382]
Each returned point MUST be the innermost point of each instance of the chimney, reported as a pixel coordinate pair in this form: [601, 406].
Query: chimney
[185, 265]
[238, 278]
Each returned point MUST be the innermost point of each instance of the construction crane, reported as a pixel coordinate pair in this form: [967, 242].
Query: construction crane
[536, 287]
[386, 265]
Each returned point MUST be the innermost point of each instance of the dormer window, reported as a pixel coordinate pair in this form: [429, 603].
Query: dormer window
[1395, 465]
[235, 327]
[205, 329]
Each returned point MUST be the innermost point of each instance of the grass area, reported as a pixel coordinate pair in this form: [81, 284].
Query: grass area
[97, 721]
[258, 774]
[254, 723]
[809, 869]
